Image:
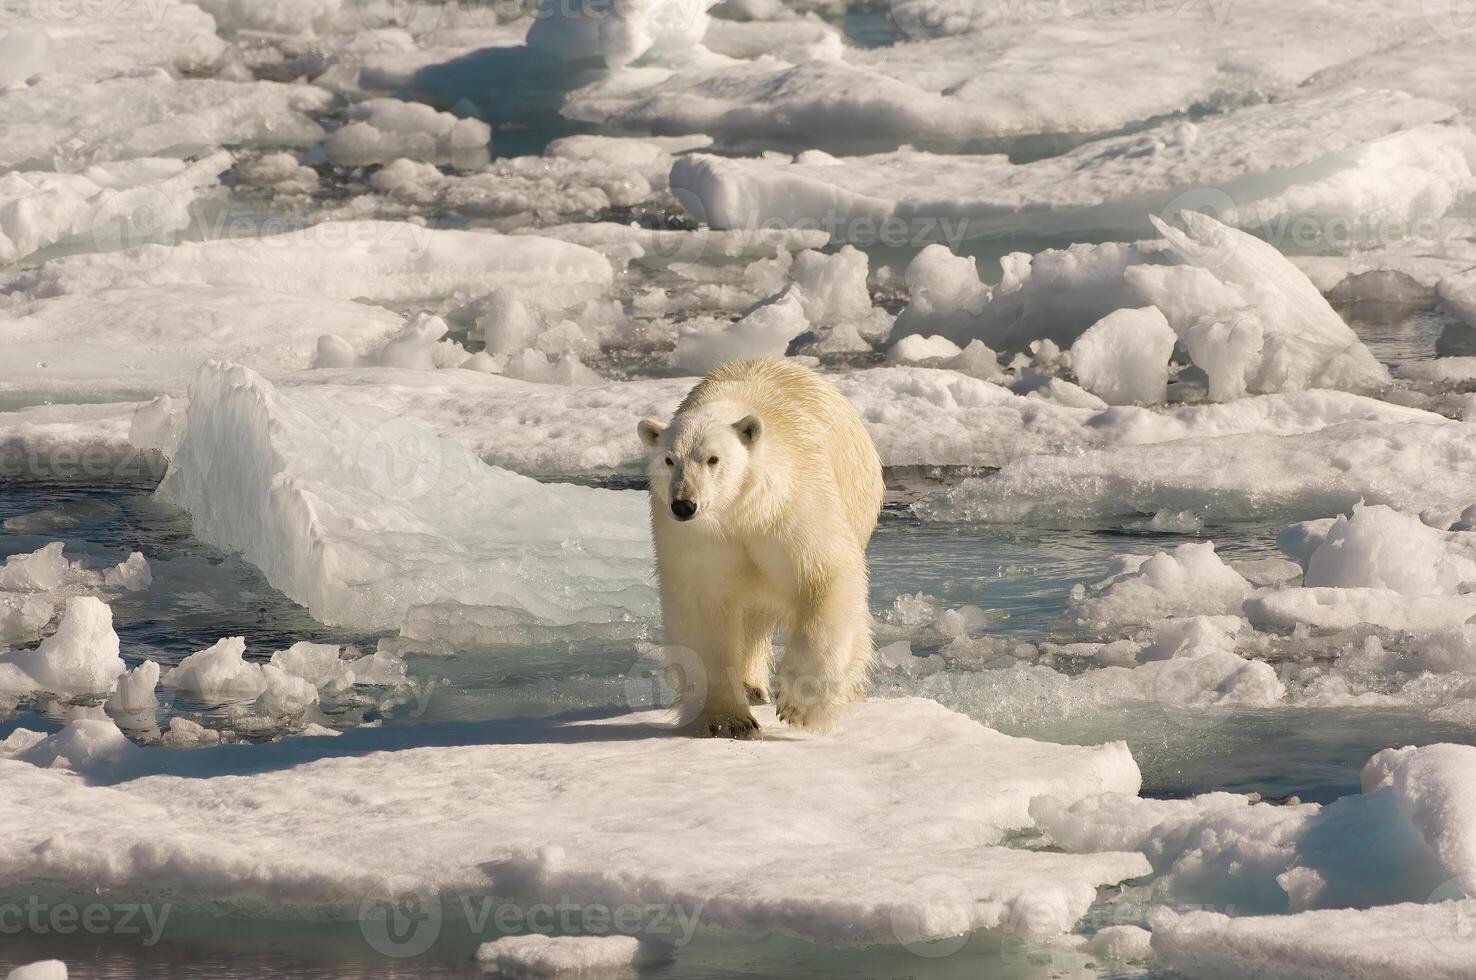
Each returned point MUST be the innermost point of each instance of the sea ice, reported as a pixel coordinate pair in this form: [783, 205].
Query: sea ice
[39, 571]
[887, 831]
[916, 416]
[535, 955]
[366, 517]
[105, 39]
[1189, 581]
[115, 203]
[383, 130]
[764, 332]
[1392, 942]
[131, 574]
[1006, 80]
[649, 30]
[135, 691]
[1123, 358]
[218, 674]
[140, 341]
[274, 16]
[59, 124]
[1404, 837]
[44, 970]
[1379, 548]
[381, 261]
[80, 658]
[1416, 467]
[1342, 158]
[1249, 319]
[23, 616]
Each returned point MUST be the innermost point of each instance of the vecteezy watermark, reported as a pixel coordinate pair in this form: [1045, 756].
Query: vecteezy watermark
[1450, 18]
[90, 463]
[37, 917]
[1449, 921]
[409, 923]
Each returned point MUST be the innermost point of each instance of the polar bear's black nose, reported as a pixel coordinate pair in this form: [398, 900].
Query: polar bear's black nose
[683, 509]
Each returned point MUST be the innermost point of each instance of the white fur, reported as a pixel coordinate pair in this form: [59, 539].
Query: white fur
[778, 539]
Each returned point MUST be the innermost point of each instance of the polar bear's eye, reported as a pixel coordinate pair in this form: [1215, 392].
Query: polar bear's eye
[669, 461]
[712, 461]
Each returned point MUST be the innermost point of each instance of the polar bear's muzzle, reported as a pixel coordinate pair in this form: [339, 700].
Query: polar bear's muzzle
[683, 510]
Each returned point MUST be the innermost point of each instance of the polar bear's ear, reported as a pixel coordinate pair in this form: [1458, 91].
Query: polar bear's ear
[749, 428]
[650, 432]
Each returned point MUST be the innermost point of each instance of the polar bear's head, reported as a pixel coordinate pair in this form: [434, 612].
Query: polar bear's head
[698, 465]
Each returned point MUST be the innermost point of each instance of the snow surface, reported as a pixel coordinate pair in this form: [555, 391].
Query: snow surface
[552, 956]
[81, 657]
[372, 520]
[112, 203]
[141, 341]
[104, 39]
[144, 114]
[1346, 157]
[916, 416]
[1403, 839]
[1393, 942]
[1247, 317]
[44, 970]
[380, 261]
[905, 792]
[1416, 468]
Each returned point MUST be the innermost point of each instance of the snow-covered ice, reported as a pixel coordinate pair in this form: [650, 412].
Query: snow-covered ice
[1413, 941]
[381, 261]
[113, 204]
[137, 341]
[58, 122]
[44, 970]
[1248, 319]
[536, 955]
[383, 130]
[81, 657]
[907, 791]
[1355, 157]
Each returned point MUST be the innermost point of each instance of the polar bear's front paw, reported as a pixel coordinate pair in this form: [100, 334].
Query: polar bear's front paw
[756, 694]
[812, 715]
[727, 725]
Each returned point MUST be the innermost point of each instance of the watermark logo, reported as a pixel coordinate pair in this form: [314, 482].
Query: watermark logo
[404, 925]
[37, 917]
[930, 917]
[1450, 920]
[670, 677]
[1450, 19]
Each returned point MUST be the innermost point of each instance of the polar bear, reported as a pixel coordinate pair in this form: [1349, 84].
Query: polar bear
[765, 489]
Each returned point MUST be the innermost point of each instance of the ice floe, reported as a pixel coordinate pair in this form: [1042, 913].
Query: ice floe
[1249, 320]
[381, 261]
[374, 521]
[103, 40]
[1005, 80]
[382, 130]
[920, 853]
[113, 204]
[1392, 942]
[1354, 157]
[1223, 850]
[141, 341]
[536, 955]
[56, 124]
[81, 657]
